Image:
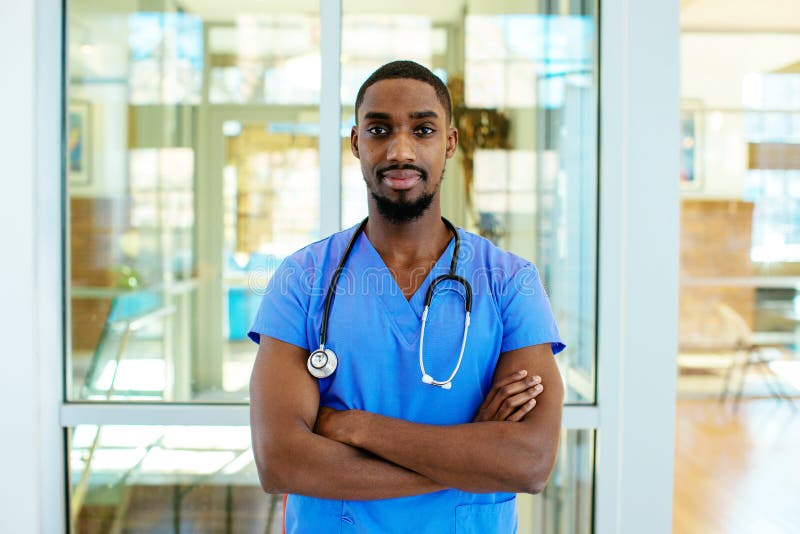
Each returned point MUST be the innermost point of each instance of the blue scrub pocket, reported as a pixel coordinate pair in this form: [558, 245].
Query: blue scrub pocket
[498, 517]
[307, 515]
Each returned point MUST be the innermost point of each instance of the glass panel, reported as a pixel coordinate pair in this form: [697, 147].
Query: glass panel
[265, 58]
[271, 198]
[524, 89]
[740, 215]
[139, 479]
[566, 504]
[181, 204]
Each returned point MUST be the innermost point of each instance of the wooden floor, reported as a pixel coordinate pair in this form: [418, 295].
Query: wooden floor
[737, 473]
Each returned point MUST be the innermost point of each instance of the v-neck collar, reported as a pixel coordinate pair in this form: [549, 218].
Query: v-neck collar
[405, 315]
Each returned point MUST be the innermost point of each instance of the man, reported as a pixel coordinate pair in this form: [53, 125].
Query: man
[408, 433]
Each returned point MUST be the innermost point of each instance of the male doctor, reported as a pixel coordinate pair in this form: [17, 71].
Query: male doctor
[373, 446]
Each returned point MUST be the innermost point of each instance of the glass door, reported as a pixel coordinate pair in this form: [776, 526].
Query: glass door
[196, 161]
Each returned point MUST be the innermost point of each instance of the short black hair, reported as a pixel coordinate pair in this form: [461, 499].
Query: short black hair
[410, 70]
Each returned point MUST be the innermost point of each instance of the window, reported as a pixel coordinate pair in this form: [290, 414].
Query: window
[195, 166]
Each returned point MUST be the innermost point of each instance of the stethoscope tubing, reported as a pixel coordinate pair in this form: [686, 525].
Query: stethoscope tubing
[329, 357]
[323, 331]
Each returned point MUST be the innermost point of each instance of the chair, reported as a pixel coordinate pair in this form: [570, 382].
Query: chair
[753, 356]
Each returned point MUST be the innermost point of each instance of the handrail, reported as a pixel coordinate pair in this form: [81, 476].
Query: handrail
[171, 288]
[130, 325]
[138, 321]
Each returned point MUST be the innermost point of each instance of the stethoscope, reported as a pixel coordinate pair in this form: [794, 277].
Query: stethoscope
[323, 361]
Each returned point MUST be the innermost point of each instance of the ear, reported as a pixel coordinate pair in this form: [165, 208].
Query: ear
[354, 141]
[452, 142]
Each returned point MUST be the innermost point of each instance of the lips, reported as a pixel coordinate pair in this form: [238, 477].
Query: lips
[401, 179]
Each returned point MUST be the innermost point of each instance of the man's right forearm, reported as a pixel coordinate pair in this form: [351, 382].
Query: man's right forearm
[305, 463]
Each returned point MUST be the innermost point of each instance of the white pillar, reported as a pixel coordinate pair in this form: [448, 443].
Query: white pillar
[31, 457]
[638, 267]
[19, 388]
[330, 118]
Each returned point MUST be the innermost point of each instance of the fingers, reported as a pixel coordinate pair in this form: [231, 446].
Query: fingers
[484, 412]
[505, 390]
[522, 411]
[524, 401]
[514, 377]
[509, 385]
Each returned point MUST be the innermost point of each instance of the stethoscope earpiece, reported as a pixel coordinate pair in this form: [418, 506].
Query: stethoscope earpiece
[428, 379]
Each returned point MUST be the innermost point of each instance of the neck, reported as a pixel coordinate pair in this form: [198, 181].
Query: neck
[408, 242]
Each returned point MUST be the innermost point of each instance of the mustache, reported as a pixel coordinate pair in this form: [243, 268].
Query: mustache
[405, 167]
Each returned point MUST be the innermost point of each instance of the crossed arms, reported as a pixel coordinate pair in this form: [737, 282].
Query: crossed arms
[357, 455]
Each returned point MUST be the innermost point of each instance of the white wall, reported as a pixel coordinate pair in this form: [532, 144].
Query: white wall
[729, 15]
[713, 65]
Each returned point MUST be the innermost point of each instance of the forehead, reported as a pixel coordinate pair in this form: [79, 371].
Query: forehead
[400, 96]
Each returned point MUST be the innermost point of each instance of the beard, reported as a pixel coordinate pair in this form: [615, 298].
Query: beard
[403, 211]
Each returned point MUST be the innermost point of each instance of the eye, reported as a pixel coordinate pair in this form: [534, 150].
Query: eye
[377, 130]
[425, 130]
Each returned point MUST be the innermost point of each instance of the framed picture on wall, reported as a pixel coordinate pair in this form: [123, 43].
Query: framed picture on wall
[691, 144]
[79, 142]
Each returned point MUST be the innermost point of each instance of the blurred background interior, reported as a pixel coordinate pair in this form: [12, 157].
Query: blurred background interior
[197, 153]
[737, 425]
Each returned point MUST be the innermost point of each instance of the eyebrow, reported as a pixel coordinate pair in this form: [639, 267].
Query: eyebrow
[379, 115]
[423, 115]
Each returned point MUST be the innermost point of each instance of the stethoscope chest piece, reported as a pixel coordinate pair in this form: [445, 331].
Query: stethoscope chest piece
[322, 363]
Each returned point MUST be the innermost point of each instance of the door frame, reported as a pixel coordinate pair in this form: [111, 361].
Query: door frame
[638, 258]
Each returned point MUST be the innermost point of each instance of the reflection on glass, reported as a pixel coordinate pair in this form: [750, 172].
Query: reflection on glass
[566, 504]
[521, 59]
[265, 59]
[203, 479]
[166, 58]
[181, 205]
[271, 209]
[370, 40]
[524, 91]
[142, 479]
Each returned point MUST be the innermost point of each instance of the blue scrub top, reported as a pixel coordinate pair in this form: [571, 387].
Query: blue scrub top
[375, 333]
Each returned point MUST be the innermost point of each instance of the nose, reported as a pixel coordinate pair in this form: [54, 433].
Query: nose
[401, 148]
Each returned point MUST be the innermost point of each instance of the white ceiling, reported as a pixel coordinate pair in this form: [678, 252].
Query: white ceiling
[741, 15]
[215, 10]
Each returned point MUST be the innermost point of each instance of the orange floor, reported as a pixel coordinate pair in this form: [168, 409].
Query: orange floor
[737, 472]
